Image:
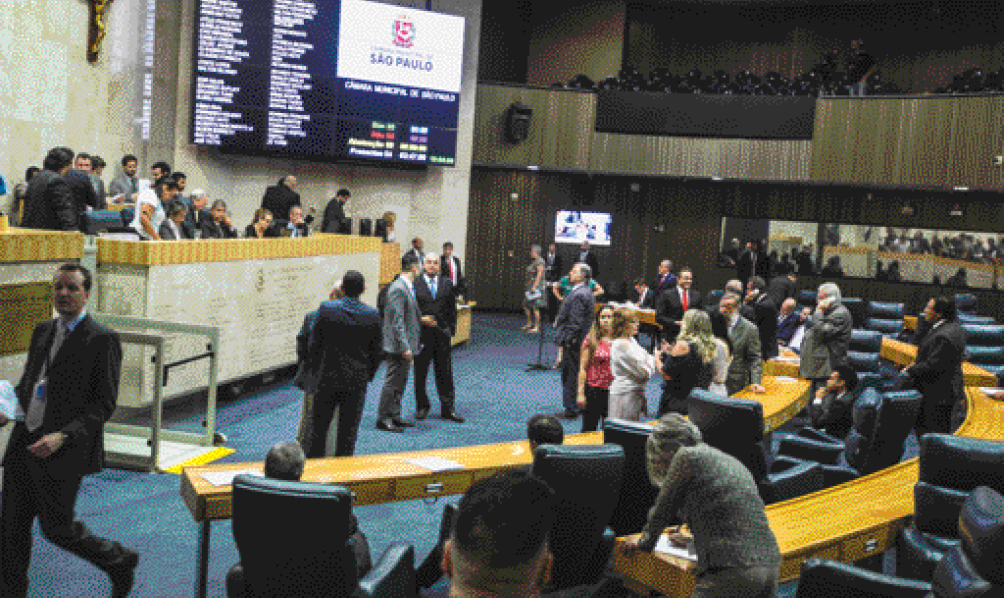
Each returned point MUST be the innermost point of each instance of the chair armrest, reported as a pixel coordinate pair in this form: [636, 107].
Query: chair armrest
[392, 576]
[824, 578]
[807, 449]
[811, 433]
[804, 478]
[834, 475]
[783, 463]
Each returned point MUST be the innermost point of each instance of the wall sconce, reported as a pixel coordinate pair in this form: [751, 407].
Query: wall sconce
[956, 211]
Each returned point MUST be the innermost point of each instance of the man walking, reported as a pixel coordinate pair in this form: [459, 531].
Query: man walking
[67, 392]
[342, 360]
[401, 334]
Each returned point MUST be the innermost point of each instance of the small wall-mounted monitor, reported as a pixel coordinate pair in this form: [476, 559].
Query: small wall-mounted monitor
[575, 226]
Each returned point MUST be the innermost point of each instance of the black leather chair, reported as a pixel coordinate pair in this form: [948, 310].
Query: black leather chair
[736, 427]
[823, 578]
[293, 540]
[965, 303]
[985, 346]
[637, 493]
[974, 568]
[858, 308]
[882, 422]
[807, 299]
[965, 318]
[586, 480]
[950, 468]
[885, 317]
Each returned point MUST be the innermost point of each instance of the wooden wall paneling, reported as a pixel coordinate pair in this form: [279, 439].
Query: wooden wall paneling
[568, 134]
[978, 137]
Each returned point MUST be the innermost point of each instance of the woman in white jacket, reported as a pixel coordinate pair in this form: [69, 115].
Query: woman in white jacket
[632, 367]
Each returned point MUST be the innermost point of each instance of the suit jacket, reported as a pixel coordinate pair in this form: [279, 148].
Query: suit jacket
[937, 372]
[212, 230]
[99, 191]
[82, 188]
[554, 269]
[669, 309]
[780, 288]
[49, 204]
[303, 348]
[591, 261]
[443, 306]
[123, 185]
[420, 255]
[167, 232]
[787, 326]
[269, 233]
[664, 283]
[833, 414]
[747, 358]
[402, 324]
[763, 313]
[279, 199]
[334, 215]
[194, 221]
[826, 341]
[345, 347]
[575, 316]
[83, 387]
[446, 268]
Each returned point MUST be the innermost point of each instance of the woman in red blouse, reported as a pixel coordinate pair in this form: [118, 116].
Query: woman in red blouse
[594, 371]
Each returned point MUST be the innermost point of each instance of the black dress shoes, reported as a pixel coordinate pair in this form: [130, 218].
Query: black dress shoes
[453, 417]
[388, 425]
[421, 414]
[403, 423]
[123, 572]
[567, 414]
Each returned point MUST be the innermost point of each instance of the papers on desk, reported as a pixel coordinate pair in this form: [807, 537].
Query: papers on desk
[994, 393]
[9, 404]
[785, 379]
[684, 552]
[226, 478]
[435, 464]
[780, 359]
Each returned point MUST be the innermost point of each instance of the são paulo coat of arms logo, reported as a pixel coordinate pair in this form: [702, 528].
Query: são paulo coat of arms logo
[404, 32]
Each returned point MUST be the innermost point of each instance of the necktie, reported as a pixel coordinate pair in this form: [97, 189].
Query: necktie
[686, 301]
[432, 287]
[453, 272]
[36, 409]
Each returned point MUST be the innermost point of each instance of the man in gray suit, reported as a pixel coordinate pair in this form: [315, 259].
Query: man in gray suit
[575, 318]
[746, 368]
[827, 337]
[401, 331]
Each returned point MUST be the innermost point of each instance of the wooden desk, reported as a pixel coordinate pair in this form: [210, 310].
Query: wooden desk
[383, 478]
[464, 317]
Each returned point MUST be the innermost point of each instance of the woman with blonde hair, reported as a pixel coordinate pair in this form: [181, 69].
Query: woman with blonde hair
[688, 364]
[594, 371]
[632, 367]
[534, 291]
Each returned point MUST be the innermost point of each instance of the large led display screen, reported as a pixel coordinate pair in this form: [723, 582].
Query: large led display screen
[337, 79]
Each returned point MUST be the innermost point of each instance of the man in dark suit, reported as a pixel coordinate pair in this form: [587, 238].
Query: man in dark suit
[760, 310]
[665, 280]
[746, 367]
[642, 296]
[673, 303]
[173, 228]
[67, 392]
[417, 252]
[575, 317]
[830, 410]
[48, 202]
[282, 196]
[81, 185]
[197, 217]
[334, 212]
[588, 257]
[782, 287]
[437, 301]
[937, 371]
[788, 321]
[450, 267]
[401, 343]
[343, 357]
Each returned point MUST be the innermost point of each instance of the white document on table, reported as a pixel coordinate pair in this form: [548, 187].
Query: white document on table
[226, 478]
[435, 464]
[995, 393]
[9, 404]
[785, 379]
[684, 552]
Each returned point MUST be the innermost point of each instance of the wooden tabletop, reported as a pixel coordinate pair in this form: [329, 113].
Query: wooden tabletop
[391, 477]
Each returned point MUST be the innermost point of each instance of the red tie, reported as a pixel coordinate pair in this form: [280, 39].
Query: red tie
[686, 303]
[453, 272]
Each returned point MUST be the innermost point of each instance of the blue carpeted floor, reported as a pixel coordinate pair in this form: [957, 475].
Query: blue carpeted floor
[145, 512]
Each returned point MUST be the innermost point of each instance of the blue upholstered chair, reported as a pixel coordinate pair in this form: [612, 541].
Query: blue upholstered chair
[293, 539]
[822, 578]
[985, 346]
[975, 319]
[885, 317]
[965, 303]
[637, 495]
[586, 480]
[736, 427]
[950, 468]
[858, 308]
[882, 422]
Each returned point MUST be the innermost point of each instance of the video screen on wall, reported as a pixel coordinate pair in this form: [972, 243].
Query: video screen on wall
[959, 259]
[338, 79]
[574, 226]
